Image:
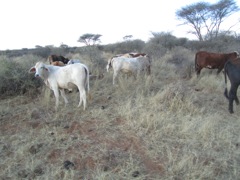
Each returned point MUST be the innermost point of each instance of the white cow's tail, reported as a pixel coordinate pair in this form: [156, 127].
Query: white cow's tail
[87, 82]
[88, 89]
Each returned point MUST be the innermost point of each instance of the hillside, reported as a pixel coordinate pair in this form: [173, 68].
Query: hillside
[171, 125]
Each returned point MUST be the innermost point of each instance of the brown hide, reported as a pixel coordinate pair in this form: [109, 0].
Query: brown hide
[57, 63]
[210, 60]
[53, 58]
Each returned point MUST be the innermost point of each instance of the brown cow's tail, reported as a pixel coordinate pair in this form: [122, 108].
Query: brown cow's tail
[225, 76]
[196, 64]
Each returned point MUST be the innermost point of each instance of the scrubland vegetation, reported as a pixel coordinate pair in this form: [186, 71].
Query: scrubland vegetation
[171, 125]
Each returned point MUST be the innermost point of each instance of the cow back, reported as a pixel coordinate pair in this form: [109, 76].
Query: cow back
[205, 59]
[53, 58]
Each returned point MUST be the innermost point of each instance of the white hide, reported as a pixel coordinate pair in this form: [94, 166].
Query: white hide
[60, 78]
[73, 61]
[128, 65]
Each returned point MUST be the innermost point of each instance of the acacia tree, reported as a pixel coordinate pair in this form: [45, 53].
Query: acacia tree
[205, 18]
[89, 39]
[90, 50]
[127, 37]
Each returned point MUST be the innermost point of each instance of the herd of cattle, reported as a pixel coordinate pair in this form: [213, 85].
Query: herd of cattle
[63, 73]
[230, 62]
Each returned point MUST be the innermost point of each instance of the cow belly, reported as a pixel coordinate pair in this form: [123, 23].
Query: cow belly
[67, 85]
[209, 67]
[126, 71]
[71, 86]
[213, 65]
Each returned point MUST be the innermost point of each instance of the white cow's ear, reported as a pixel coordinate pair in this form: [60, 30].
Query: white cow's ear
[32, 70]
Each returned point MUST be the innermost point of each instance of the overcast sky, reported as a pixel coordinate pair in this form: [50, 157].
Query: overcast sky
[27, 23]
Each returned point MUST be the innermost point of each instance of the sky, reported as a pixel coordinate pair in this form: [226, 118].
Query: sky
[27, 23]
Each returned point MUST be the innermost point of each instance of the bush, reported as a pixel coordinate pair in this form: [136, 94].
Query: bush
[125, 47]
[221, 44]
[183, 60]
[14, 76]
[156, 51]
[92, 56]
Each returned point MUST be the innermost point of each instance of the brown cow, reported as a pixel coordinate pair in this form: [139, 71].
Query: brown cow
[54, 57]
[204, 59]
[57, 63]
[137, 54]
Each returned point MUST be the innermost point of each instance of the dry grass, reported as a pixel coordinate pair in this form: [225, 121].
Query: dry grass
[169, 126]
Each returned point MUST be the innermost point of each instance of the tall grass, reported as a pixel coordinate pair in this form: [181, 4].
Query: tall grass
[167, 126]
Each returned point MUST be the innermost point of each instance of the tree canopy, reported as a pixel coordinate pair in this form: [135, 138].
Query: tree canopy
[89, 39]
[205, 18]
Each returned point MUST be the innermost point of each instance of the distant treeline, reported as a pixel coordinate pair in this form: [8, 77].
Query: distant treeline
[43, 51]
[161, 42]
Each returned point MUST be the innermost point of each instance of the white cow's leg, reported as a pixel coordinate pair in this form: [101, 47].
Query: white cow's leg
[82, 97]
[64, 96]
[134, 76]
[56, 94]
[114, 76]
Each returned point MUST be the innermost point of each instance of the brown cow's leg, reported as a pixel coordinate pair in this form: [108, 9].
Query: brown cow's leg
[198, 70]
[218, 71]
[148, 70]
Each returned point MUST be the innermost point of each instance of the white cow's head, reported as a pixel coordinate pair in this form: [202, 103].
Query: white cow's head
[39, 69]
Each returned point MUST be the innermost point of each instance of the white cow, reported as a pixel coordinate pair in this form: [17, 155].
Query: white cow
[129, 65]
[73, 61]
[131, 55]
[66, 77]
